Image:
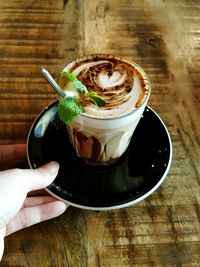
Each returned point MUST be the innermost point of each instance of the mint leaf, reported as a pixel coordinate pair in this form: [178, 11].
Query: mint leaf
[69, 75]
[74, 82]
[79, 86]
[95, 98]
[69, 109]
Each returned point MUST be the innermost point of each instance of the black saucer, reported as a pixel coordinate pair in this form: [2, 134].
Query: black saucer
[138, 173]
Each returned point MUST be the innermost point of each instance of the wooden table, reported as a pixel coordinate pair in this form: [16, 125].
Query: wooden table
[164, 38]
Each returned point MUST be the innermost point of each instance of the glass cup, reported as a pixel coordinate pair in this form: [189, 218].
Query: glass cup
[102, 141]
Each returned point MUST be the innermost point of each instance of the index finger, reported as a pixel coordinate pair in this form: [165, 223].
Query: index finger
[12, 152]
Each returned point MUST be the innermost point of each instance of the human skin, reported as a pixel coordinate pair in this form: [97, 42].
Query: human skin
[20, 204]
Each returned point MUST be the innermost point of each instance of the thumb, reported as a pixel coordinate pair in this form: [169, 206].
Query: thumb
[40, 177]
[16, 183]
[33, 179]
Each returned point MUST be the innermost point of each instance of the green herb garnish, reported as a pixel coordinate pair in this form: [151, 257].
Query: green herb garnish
[79, 86]
[68, 75]
[69, 109]
[73, 83]
[95, 98]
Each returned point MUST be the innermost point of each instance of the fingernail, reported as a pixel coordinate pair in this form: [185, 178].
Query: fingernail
[53, 166]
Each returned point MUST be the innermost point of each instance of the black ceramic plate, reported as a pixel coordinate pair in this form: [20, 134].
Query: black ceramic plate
[136, 175]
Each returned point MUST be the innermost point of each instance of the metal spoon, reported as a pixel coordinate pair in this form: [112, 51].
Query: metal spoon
[52, 82]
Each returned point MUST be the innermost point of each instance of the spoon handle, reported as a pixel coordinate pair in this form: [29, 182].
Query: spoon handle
[52, 82]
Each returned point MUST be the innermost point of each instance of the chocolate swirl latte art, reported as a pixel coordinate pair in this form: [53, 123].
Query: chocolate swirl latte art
[122, 84]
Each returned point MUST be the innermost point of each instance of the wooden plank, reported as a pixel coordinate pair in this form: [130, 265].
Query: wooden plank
[32, 35]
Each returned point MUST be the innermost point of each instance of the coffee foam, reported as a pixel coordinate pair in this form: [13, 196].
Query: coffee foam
[123, 84]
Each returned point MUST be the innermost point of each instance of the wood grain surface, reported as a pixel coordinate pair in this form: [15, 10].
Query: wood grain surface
[164, 38]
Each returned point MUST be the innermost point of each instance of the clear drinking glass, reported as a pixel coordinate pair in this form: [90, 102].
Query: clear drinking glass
[103, 140]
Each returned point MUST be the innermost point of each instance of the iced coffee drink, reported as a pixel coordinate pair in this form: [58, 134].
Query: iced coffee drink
[101, 133]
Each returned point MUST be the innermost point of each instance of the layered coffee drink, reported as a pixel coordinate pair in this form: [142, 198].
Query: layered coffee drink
[101, 134]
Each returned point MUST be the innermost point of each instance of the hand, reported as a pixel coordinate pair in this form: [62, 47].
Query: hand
[18, 211]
